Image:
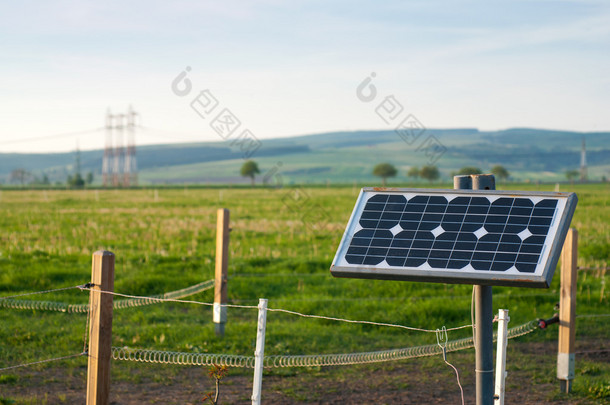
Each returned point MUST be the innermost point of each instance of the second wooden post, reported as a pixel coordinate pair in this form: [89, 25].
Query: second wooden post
[222, 263]
[567, 311]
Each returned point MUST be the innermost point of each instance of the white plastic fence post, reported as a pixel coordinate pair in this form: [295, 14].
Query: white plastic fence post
[503, 320]
[259, 354]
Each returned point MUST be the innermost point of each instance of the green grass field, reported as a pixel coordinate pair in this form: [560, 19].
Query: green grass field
[280, 249]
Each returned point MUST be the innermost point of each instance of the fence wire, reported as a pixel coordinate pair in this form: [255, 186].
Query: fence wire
[43, 361]
[205, 359]
[117, 304]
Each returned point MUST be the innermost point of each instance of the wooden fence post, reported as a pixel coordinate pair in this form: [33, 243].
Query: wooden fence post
[100, 329]
[220, 280]
[567, 312]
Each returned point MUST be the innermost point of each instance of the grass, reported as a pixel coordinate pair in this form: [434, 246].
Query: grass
[280, 249]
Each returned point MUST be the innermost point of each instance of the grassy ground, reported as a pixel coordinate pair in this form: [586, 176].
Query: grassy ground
[282, 244]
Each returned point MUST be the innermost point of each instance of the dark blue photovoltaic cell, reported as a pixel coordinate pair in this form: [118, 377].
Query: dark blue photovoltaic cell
[452, 234]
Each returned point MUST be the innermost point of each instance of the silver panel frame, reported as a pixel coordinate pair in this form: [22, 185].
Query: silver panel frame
[540, 279]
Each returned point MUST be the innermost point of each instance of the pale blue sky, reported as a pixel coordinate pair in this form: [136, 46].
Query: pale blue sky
[292, 68]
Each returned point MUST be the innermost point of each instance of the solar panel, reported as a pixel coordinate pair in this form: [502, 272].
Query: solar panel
[455, 236]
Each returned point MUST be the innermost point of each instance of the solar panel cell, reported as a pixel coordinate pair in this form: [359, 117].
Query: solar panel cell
[457, 264]
[538, 230]
[414, 262]
[548, 203]
[526, 267]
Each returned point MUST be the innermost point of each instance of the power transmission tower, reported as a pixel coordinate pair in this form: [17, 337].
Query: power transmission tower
[119, 151]
[108, 152]
[131, 167]
[119, 166]
[583, 162]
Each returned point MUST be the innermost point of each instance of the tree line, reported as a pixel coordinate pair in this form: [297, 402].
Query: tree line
[431, 173]
[386, 170]
[250, 169]
[22, 177]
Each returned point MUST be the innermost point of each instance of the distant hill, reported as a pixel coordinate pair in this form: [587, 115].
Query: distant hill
[344, 157]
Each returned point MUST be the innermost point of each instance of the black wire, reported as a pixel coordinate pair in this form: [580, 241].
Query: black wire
[38, 138]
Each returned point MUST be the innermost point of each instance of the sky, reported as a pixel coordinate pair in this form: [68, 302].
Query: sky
[296, 67]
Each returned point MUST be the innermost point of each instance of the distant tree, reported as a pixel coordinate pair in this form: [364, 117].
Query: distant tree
[89, 179]
[76, 181]
[571, 175]
[500, 172]
[250, 169]
[45, 180]
[413, 172]
[384, 170]
[79, 182]
[20, 176]
[468, 170]
[429, 173]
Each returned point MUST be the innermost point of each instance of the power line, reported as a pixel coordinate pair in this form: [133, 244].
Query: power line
[160, 133]
[40, 138]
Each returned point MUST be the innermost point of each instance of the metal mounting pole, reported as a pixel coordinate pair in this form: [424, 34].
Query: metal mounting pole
[483, 300]
[483, 308]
